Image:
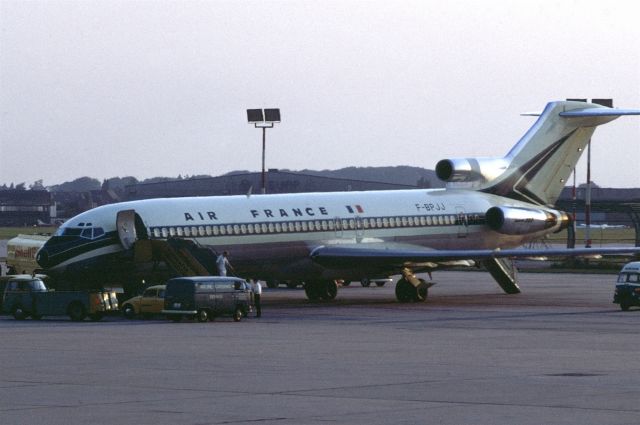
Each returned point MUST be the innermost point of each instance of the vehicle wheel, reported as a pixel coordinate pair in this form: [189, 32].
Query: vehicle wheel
[365, 282]
[624, 305]
[176, 318]
[128, 311]
[237, 315]
[202, 315]
[76, 312]
[18, 313]
[96, 317]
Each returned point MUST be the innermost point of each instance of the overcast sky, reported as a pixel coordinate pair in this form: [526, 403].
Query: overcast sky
[161, 88]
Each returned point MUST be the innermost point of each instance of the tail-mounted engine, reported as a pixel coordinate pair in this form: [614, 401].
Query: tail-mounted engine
[523, 221]
[470, 169]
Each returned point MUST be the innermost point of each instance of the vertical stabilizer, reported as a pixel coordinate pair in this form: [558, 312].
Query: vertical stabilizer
[542, 161]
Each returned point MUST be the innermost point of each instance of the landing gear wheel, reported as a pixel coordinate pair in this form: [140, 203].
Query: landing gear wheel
[202, 316]
[365, 282]
[404, 291]
[311, 291]
[330, 290]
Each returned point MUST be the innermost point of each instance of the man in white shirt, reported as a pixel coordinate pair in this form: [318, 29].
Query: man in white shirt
[223, 262]
[257, 292]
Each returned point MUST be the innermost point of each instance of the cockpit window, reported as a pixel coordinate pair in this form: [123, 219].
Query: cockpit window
[83, 232]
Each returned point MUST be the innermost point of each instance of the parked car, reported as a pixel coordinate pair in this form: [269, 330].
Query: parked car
[204, 297]
[627, 292]
[150, 303]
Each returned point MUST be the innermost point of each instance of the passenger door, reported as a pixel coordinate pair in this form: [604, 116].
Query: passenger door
[148, 300]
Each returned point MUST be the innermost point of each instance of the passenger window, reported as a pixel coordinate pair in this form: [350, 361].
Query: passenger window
[165, 232]
[270, 227]
[186, 231]
[201, 230]
[223, 230]
[392, 222]
[229, 229]
[264, 228]
[208, 231]
[385, 222]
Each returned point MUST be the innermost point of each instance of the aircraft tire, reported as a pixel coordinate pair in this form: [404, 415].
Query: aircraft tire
[365, 282]
[329, 290]
[311, 290]
[404, 291]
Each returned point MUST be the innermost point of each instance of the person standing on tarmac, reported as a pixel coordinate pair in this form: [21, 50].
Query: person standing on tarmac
[257, 292]
[223, 262]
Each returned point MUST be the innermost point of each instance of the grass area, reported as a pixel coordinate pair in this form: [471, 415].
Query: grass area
[598, 236]
[11, 232]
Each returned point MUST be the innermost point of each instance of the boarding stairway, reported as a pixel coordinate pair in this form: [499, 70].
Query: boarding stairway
[184, 257]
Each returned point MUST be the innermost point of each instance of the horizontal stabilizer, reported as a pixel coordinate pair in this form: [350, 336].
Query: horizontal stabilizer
[599, 112]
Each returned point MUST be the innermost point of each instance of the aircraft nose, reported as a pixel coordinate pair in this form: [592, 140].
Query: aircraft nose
[42, 258]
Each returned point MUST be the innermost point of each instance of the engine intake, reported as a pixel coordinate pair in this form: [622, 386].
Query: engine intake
[470, 169]
[522, 221]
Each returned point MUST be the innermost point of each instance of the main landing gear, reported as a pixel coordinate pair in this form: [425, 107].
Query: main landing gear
[410, 288]
[321, 290]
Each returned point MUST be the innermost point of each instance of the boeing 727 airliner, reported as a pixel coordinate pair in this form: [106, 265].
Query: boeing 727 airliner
[490, 207]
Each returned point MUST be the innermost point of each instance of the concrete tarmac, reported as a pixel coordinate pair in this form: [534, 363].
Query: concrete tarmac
[559, 353]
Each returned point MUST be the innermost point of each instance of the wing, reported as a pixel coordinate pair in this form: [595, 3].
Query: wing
[345, 256]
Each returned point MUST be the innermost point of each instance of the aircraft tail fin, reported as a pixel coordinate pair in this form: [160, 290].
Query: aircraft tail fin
[544, 158]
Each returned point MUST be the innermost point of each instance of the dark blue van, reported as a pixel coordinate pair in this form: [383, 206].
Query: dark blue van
[627, 292]
[204, 297]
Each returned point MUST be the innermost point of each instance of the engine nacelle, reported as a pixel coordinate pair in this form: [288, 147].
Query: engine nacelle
[523, 221]
[470, 169]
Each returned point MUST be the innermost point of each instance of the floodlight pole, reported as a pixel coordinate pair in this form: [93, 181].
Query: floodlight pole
[263, 118]
[264, 149]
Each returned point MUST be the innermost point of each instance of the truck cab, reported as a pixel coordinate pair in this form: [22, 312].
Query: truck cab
[627, 292]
